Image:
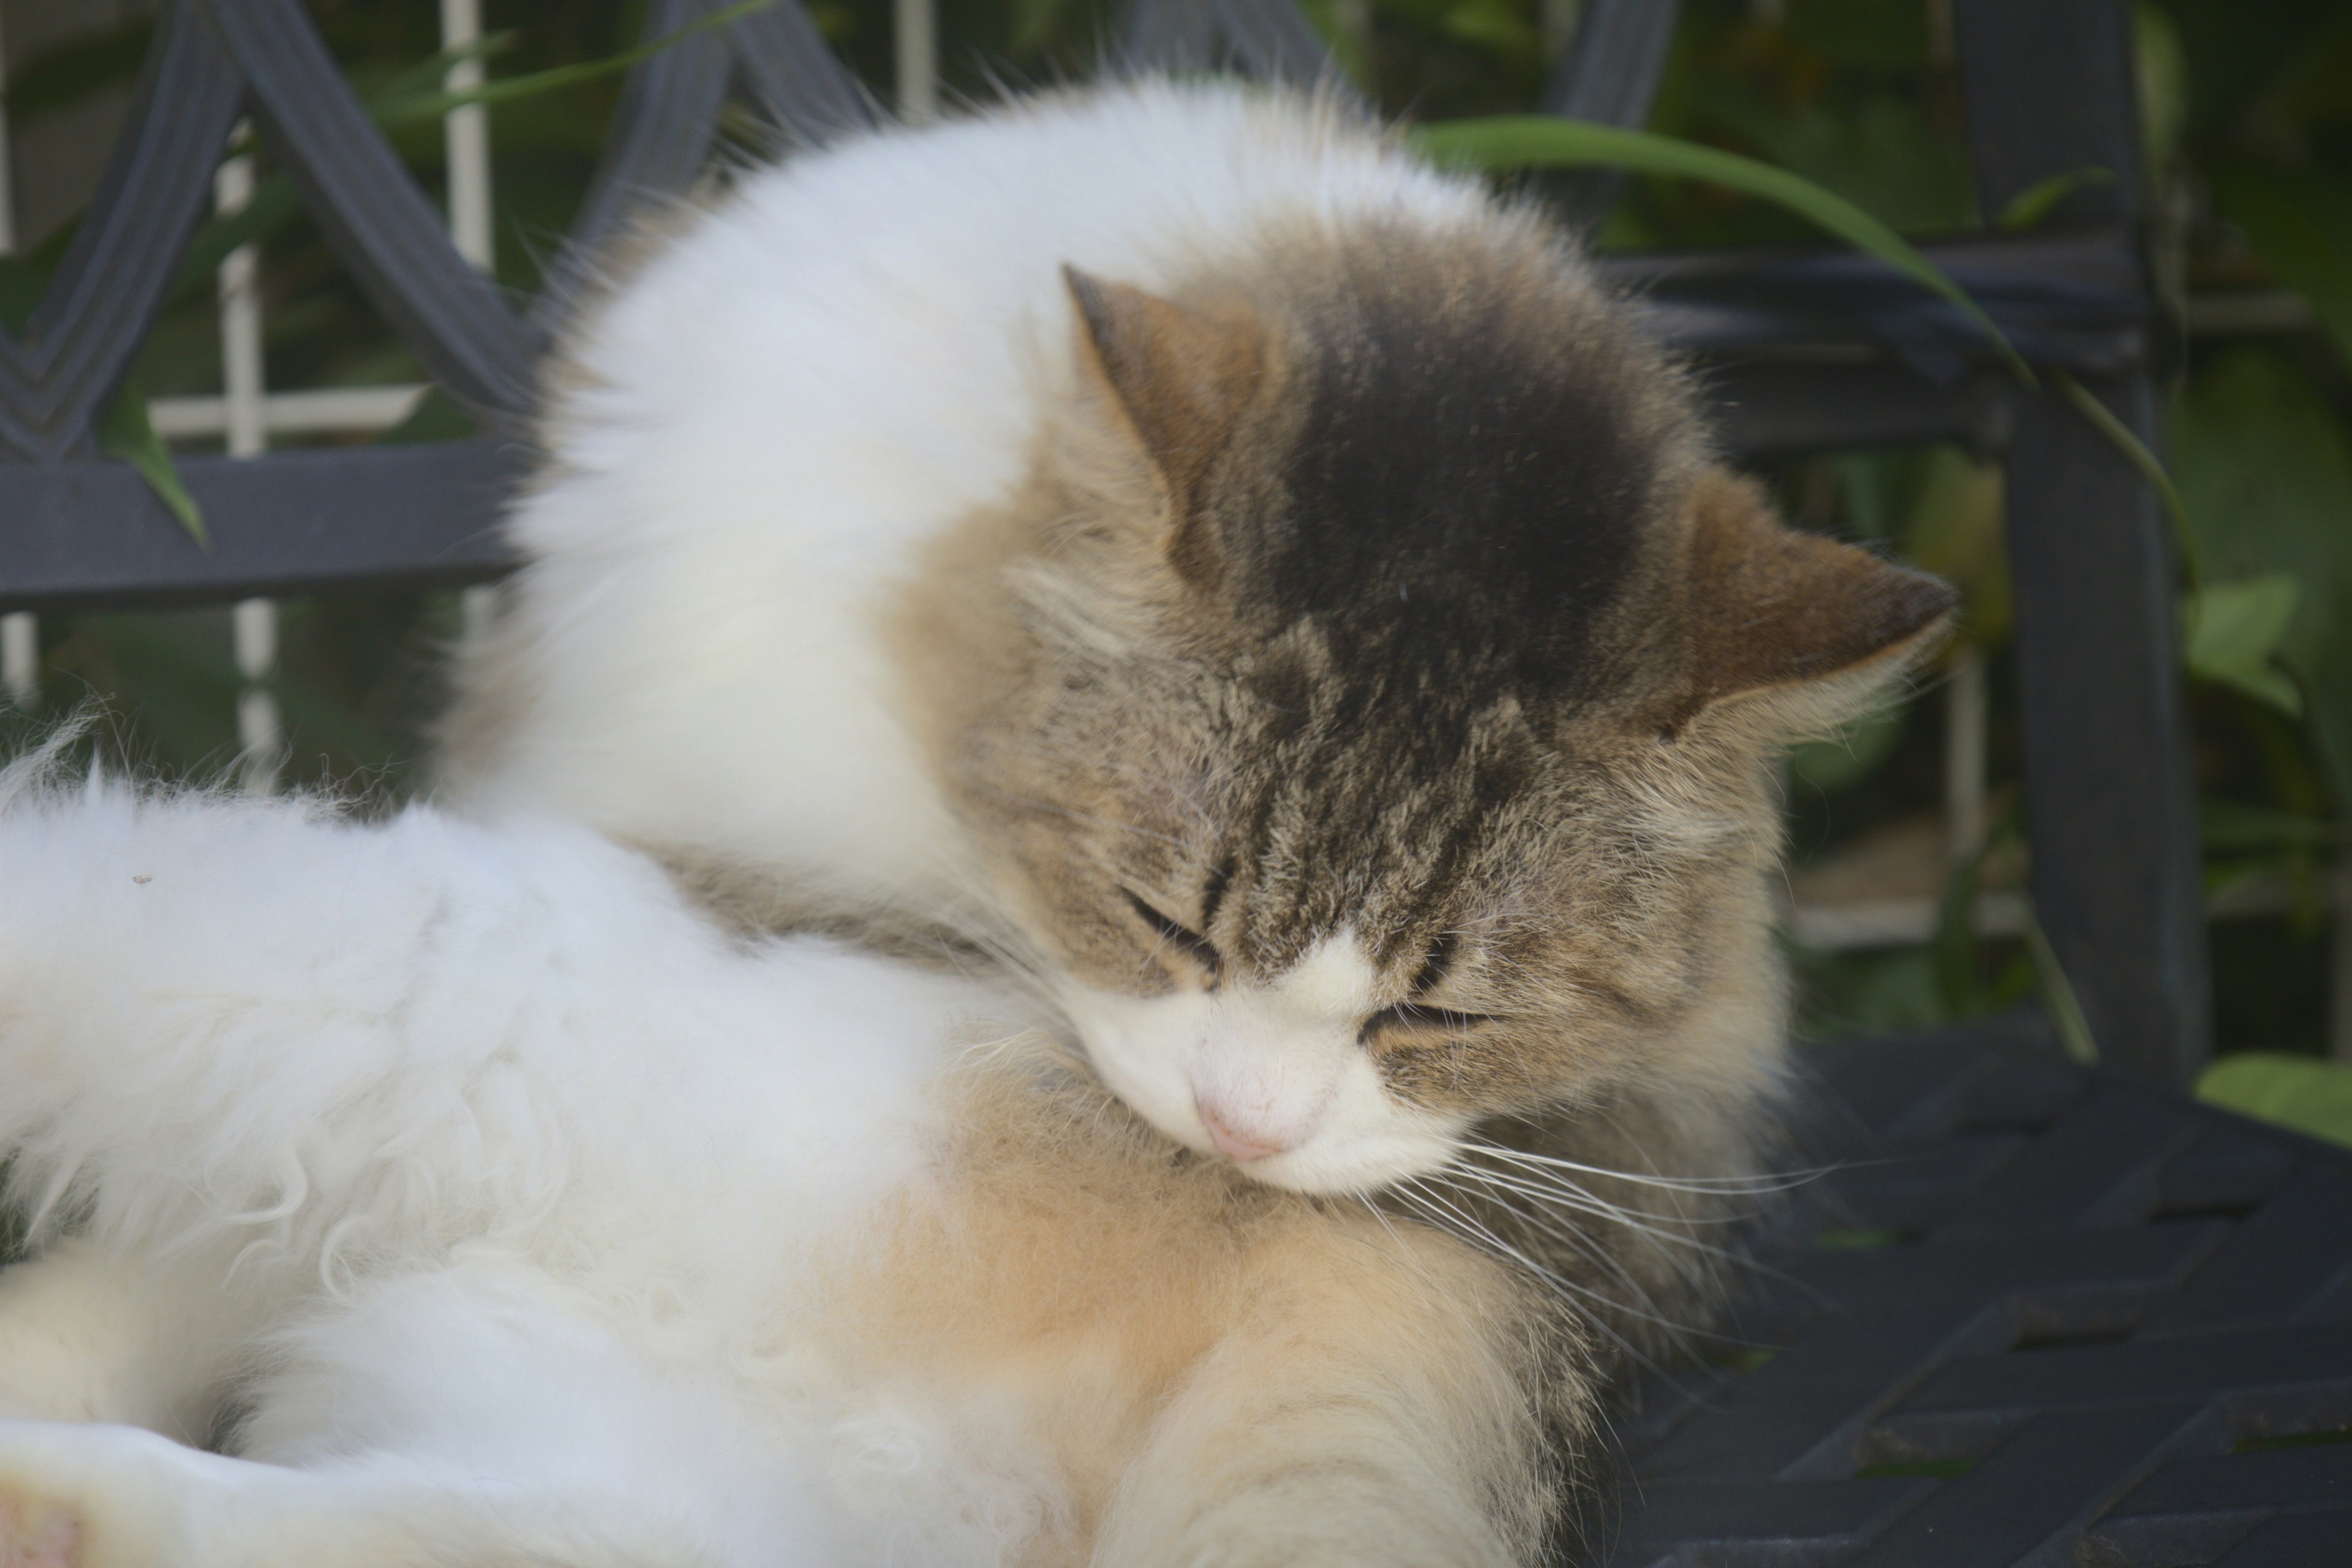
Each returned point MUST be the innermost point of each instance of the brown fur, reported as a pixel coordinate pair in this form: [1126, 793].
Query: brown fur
[1224, 1373]
[1581, 856]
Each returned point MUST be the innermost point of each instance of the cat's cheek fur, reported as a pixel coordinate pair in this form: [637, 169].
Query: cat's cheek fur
[1273, 1075]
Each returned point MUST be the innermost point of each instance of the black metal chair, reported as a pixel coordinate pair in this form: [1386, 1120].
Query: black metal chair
[2190, 1272]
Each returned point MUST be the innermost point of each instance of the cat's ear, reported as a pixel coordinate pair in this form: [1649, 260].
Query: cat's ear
[1774, 608]
[1181, 377]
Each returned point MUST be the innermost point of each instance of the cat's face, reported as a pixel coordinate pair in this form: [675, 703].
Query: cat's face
[1383, 749]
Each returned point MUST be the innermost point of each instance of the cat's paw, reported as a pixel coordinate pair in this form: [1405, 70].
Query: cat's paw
[38, 1532]
[73, 1496]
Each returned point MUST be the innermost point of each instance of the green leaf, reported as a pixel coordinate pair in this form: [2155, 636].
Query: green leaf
[405, 108]
[2120, 436]
[2310, 1096]
[124, 432]
[2265, 465]
[1542, 140]
[2065, 1009]
[2235, 632]
[427, 74]
[275, 203]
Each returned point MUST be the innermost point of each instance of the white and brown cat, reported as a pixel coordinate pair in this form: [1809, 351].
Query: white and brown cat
[1103, 899]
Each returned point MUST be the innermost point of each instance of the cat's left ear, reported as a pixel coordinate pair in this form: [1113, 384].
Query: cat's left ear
[1777, 610]
[1181, 377]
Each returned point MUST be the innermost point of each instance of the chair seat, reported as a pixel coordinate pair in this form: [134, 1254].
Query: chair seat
[2035, 1313]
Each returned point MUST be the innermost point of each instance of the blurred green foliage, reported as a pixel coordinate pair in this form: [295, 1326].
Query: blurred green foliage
[2246, 108]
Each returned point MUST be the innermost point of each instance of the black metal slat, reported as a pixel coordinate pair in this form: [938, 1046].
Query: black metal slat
[1913, 1190]
[2243, 1483]
[2035, 1490]
[2095, 1165]
[2283, 1257]
[2061, 1282]
[158, 181]
[806, 93]
[1168, 34]
[1761, 408]
[1765, 1521]
[2109, 794]
[378, 222]
[1608, 73]
[2069, 1442]
[1271, 40]
[1802, 1414]
[2314, 1540]
[2221, 1170]
[2137, 1371]
[92, 535]
[660, 143]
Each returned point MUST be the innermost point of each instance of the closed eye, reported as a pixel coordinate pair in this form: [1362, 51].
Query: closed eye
[1184, 939]
[1414, 1015]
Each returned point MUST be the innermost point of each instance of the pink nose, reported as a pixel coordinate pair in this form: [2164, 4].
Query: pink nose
[1236, 1142]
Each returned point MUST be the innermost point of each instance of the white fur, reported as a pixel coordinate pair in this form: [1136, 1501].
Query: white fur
[500, 1161]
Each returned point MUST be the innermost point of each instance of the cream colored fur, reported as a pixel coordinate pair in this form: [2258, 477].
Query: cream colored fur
[529, 1178]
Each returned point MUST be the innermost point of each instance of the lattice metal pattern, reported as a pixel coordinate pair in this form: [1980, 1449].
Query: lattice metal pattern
[2110, 1313]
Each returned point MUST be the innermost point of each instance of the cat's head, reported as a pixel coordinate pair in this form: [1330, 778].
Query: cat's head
[1377, 734]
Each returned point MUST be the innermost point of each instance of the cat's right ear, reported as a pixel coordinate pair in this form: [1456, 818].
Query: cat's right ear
[1777, 611]
[1179, 378]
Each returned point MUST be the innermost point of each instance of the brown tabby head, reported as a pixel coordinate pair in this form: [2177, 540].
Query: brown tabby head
[1377, 737]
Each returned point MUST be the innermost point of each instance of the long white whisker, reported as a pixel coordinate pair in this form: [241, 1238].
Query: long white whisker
[1543, 1195]
[1582, 1196]
[1711, 1186]
[1586, 1247]
[1448, 1217]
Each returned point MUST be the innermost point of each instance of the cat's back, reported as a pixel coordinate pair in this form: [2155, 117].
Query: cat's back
[895, 282]
[750, 434]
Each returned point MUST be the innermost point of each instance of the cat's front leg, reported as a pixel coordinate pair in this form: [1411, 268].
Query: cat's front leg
[1375, 1407]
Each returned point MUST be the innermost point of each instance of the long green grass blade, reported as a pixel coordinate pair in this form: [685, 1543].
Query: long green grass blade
[2119, 435]
[2033, 204]
[2075, 1036]
[431, 105]
[1543, 140]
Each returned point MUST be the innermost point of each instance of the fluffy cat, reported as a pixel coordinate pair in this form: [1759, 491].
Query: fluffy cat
[1241, 620]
